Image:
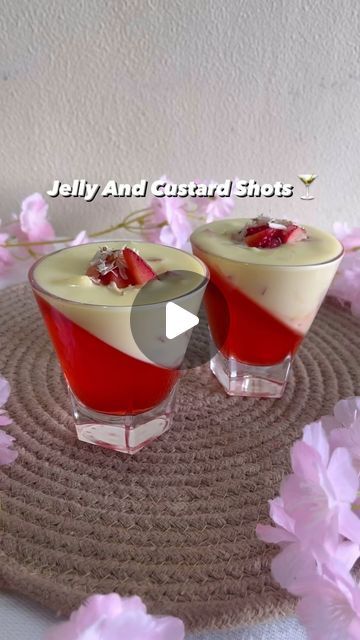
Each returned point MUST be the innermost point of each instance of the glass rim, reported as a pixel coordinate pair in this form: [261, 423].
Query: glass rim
[37, 287]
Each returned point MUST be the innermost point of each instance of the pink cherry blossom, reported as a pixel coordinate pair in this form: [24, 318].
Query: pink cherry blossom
[4, 391]
[81, 238]
[299, 561]
[7, 454]
[32, 225]
[284, 529]
[33, 219]
[4, 395]
[169, 212]
[349, 237]
[110, 617]
[315, 526]
[330, 610]
[320, 493]
[344, 428]
[214, 207]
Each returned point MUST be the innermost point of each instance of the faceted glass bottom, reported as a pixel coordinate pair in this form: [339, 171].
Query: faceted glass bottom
[127, 434]
[252, 381]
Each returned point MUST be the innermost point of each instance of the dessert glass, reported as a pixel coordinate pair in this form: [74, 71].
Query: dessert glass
[271, 297]
[121, 398]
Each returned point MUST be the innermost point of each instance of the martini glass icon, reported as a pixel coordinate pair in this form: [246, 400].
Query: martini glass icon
[307, 179]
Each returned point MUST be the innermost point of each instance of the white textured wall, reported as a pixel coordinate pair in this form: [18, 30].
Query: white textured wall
[195, 88]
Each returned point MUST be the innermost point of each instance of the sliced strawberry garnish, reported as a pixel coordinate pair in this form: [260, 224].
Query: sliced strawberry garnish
[139, 271]
[108, 267]
[255, 229]
[293, 234]
[266, 239]
[115, 277]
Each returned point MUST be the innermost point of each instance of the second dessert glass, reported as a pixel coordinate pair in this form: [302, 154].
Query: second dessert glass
[260, 306]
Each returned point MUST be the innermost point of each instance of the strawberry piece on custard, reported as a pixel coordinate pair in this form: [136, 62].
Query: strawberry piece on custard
[293, 234]
[108, 267]
[255, 229]
[139, 271]
[266, 239]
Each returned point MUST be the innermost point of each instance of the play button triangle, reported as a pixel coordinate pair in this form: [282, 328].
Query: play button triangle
[178, 320]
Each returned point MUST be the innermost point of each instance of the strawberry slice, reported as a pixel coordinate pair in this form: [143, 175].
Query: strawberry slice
[255, 229]
[293, 234]
[266, 239]
[139, 271]
[108, 267]
[115, 277]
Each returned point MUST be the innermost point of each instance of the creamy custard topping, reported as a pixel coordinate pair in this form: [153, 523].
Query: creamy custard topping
[105, 311]
[63, 274]
[217, 239]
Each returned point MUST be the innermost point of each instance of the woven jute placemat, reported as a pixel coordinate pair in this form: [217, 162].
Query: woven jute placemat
[174, 524]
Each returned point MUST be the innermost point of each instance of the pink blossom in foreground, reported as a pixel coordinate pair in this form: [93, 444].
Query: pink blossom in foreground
[317, 525]
[320, 492]
[81, 238]
[344, 428]
[330, 610]
[7, 454]
[300, 561]
[214, 207]
[4, 395]
[110, 617]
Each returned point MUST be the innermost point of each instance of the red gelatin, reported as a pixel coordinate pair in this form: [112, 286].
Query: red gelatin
[101, 377]
[246, 331]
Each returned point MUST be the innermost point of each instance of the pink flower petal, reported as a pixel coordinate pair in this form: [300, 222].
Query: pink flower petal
[4, 418]
[110, 617]
[293, 568]
[328, 611]
[347, 411]
[33, 220]
[273, 535]
[4, 391]
[280, 516]
[7, 454]
[314, 435]
[305, 461]
[343, 476]
[349, 524]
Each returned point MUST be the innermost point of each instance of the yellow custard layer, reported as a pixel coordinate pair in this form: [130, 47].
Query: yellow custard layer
[216, 238]
[105, 311]
[63, 274]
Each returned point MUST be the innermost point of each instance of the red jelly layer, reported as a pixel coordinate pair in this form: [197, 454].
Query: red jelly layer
[102, 377]
[245, 330]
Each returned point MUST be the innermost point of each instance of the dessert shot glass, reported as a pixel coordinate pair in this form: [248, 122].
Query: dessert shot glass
[268, 309]
[122, 395]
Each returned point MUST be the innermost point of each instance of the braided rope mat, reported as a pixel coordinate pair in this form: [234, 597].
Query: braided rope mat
[174, 524]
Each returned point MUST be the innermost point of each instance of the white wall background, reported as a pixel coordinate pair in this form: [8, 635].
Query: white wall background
[126, 89]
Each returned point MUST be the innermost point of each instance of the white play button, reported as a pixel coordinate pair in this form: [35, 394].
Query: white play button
[178, 320]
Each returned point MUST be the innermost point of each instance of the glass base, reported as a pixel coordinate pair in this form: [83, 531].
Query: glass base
[127, 434]
[248, 380]
[307, 197]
